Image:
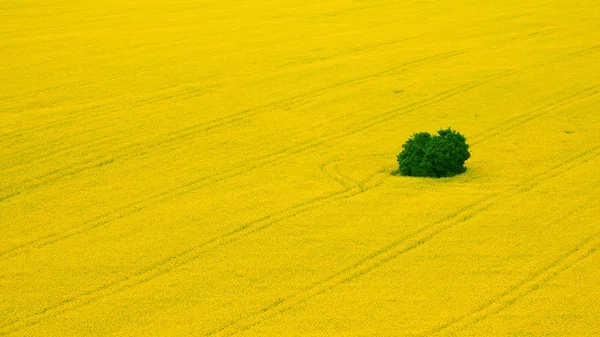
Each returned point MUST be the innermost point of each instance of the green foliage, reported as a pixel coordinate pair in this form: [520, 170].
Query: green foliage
[441, 155]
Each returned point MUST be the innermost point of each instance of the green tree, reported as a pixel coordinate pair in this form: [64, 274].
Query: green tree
[441, 155]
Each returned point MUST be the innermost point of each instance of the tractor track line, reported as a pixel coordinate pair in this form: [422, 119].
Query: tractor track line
[189, 255]
[536, 113]
[100, 112]
[527, 286]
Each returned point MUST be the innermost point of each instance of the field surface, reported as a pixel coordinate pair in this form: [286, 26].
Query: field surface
[218, 168]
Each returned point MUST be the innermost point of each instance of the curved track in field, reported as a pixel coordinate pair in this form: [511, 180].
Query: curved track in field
[412, 241]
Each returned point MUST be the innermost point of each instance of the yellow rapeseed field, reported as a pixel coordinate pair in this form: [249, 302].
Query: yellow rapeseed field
[217, 168]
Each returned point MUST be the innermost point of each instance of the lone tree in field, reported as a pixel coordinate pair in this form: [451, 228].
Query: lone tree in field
[441, 155]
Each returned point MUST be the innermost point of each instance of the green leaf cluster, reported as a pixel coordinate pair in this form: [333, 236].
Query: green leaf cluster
[441, 155]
